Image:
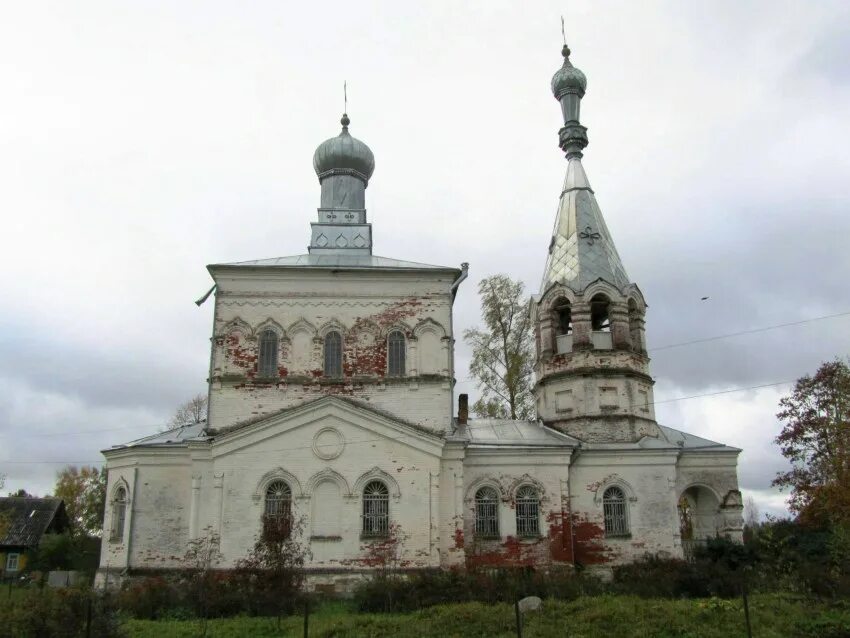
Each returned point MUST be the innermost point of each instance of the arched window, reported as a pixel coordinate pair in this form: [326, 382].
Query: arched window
[396, 354]
[376, 509]
[278, 501]
[333, 354]
[487, 513]
[614, 511]
[119, 514]
[527, 512]
[599, 309]
[268, 353]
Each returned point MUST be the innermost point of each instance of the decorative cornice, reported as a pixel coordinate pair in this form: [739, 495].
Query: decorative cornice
[344, 171]
[572, 139]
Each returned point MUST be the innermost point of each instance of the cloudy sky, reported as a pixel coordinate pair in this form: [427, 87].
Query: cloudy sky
[141, 141]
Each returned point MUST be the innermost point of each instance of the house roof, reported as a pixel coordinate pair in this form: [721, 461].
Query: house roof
[28, 519]
[360, 262]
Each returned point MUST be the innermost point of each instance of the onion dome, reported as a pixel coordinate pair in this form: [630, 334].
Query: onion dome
[568, 79]
[344, 154]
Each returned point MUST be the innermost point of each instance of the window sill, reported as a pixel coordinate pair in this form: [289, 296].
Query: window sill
[529, 538]
[614, 537]
[373, 537]
[488, 537]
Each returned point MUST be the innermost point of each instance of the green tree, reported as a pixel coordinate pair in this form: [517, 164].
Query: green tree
[503, 351]
[84, 492]
[815, 438]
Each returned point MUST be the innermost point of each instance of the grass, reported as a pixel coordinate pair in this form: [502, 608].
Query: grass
[773, 615]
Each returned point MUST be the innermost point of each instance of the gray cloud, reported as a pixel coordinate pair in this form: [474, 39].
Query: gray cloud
[140, 146]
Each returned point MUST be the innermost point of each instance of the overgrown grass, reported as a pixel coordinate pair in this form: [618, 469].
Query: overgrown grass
[773, 615]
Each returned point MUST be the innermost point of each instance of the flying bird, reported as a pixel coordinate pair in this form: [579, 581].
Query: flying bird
[703, 298]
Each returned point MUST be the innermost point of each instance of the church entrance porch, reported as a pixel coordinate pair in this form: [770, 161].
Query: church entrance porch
[699, 510]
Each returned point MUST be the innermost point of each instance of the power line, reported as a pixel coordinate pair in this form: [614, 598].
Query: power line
[713, 394]
[747, 332]
[76, 432]
[730, 334]
[401, 436]
[664, 347]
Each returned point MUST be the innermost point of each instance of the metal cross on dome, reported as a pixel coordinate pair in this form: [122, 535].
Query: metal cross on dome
[589, 235]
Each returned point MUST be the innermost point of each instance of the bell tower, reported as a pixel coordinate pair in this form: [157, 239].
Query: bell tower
[592, 368]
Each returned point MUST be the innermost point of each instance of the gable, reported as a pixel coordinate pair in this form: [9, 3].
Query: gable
[326, 428]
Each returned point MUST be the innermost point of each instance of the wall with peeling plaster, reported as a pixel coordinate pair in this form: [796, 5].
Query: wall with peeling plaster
[404, 435]
[301, 307]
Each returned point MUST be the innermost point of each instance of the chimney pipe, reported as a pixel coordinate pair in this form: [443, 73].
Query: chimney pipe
[462, 409]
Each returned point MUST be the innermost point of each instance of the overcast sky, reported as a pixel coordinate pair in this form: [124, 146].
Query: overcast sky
[141, 141]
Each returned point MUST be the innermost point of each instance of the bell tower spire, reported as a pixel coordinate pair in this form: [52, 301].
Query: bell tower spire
[592, 368]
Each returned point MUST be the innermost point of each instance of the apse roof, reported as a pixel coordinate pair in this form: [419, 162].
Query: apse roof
[335, 261]
[194, 432]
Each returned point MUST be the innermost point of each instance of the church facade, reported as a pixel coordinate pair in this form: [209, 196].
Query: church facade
[331, 403]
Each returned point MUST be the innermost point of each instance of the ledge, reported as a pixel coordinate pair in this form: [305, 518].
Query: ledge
[374, 537]
[326, 539]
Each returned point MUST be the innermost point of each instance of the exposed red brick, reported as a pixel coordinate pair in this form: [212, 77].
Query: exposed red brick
[458, 538]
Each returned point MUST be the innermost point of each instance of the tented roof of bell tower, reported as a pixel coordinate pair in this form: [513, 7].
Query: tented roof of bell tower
[581, 249]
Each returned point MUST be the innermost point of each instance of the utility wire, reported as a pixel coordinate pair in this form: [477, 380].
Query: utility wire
[402, 436]
[748, 332]
[664, 347]
[731, 334]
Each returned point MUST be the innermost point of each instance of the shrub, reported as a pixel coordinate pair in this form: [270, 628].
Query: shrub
[149, 598]
[58, 613]
[435, 587]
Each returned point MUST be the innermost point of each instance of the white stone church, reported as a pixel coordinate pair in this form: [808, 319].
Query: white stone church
[331, 400]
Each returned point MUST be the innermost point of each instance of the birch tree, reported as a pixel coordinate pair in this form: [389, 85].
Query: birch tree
[503, 351]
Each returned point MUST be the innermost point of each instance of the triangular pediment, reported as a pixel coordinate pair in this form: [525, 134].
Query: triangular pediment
[325, 427]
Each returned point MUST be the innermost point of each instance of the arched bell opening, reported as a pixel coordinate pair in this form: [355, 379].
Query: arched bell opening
[562, 321]
[600, 321]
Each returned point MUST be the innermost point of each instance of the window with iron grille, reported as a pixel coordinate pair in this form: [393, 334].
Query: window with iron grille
[527, 512]
[376, 509]
[614, 510]
[487, 513]
[278, 501]
[395, 354]
[268, 353]
[119, 513]
[333, 354]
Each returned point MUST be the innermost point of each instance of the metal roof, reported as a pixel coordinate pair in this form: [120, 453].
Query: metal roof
[691, 442]
[194, 432]
[335, 261]
[511, 433]
[581, 249]
[28, 519]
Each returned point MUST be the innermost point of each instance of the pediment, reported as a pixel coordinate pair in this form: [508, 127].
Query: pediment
[325, 428]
